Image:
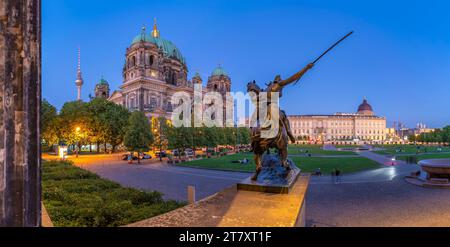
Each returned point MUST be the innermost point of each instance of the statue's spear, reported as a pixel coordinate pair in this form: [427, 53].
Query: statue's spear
[335, 44]
[329, 49]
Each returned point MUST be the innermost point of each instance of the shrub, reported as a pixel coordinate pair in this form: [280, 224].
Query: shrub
[75, 197]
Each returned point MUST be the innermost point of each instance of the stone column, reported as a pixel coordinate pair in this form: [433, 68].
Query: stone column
[20, 97]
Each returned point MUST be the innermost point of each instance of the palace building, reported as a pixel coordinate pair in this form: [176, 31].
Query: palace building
[154, 70]
[363, 126]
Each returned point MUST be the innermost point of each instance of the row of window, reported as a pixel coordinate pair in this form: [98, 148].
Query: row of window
[319, 124]
[333, 131]
[148, 60]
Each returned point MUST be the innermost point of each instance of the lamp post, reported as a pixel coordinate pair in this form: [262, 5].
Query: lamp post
[160, 138]
[77, 132]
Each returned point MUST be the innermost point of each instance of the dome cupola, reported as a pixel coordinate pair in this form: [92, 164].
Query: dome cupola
[167, 47]
[102, 89]
[365, 108]
[219, 71]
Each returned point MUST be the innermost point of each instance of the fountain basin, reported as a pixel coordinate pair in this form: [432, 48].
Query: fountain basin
[436, 168]
[434, 173]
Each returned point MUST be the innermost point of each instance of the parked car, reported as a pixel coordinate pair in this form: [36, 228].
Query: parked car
[145, 156]
[189, 152]
[125, 157]
[163, 154]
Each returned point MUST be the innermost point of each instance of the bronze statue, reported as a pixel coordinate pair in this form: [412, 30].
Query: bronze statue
[280, 142]
[260, 144]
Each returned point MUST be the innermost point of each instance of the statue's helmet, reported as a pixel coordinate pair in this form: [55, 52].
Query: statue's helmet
[253, 87]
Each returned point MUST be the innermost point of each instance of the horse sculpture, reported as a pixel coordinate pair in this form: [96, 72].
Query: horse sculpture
[279, 141]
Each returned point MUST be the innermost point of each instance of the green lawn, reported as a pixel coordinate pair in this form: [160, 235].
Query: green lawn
[408, 149]
[327, 165]
[77, 198]
[314, 150]
[426, 156]
[307, 164]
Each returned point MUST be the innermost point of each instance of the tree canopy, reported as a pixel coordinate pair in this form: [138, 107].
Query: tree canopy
[138, 136]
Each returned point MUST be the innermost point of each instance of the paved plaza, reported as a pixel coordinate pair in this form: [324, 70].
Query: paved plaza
[378, 197]
[388, 203]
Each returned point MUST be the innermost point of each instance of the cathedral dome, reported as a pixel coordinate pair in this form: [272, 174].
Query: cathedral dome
[219, 71]
[168, 48]
[365, 108]
[103, 82]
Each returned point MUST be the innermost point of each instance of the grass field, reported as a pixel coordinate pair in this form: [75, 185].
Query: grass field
[426, 156]
[314, 150]
[307, 164]
[77, 198]
[409, 149]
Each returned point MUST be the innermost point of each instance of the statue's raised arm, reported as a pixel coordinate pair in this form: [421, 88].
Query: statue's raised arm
[296, 76]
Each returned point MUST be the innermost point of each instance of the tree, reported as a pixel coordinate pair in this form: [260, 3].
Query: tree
[244, 135]
[75, 116]
[198, 138]
[179, 138]
[138, 136]
[412, 138]
[446, 134]
[49, 131]
[159, 127]
[213, 137]
[230, 136]
[116, 120]
[97, 108]
[108, 122]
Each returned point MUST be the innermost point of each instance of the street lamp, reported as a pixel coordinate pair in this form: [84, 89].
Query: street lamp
[77, 131]
[160, 138]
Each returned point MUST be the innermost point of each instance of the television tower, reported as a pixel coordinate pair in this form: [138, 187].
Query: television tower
[79, 81]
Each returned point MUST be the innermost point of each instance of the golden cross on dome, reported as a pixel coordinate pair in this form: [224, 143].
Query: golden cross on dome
[155, 32]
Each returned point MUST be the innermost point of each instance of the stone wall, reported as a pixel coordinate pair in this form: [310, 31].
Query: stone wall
[20, 95]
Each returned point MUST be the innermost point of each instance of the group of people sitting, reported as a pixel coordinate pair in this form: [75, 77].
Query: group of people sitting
[244, 161]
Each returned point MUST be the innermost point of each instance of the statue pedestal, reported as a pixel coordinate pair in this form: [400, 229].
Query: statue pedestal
[239, 208]
[273, 177]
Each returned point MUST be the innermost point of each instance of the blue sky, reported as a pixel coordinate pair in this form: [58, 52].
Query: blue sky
[399, 56]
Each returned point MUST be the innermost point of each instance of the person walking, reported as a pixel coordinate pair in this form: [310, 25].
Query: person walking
[338, 176]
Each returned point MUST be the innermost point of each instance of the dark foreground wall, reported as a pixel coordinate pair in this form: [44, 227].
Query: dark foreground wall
[20, 93]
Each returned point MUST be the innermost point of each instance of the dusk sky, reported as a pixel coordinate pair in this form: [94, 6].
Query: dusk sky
[398, 57]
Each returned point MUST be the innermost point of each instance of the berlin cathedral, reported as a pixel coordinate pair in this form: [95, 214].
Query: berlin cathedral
[154, 70]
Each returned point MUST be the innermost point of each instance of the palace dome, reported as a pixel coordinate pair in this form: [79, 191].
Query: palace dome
[365, 108]
[168, 48]
[219, 71]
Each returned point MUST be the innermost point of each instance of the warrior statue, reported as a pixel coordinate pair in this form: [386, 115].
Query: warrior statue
[280, 141]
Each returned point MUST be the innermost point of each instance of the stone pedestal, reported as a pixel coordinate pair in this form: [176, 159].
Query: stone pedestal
[273, 178]
[238, 208]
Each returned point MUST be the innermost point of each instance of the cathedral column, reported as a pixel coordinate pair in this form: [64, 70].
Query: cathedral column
[20, 93]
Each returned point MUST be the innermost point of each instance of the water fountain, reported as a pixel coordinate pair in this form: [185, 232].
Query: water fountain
[433, 173]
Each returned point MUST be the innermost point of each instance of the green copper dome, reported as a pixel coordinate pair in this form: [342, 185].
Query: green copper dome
[103, 82]
[219, 71]
[169, 49]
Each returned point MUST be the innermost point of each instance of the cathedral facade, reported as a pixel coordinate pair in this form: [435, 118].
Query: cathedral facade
[154, 70]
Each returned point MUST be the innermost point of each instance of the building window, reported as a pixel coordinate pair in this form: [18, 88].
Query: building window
[153, 103]
[152, 59]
